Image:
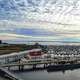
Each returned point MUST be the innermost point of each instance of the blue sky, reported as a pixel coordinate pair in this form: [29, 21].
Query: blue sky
[45, 20]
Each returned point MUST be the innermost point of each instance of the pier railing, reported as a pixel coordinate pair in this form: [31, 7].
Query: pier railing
[55, 59]
[43, 61]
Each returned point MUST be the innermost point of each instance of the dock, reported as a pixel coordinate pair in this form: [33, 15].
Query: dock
[37, 58]
[34, 63]
[7, 75]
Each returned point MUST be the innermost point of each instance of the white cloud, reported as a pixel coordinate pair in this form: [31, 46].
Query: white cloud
[61, 17]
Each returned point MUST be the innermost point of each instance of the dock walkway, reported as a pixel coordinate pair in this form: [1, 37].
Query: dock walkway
[7, 75]
[34, 63]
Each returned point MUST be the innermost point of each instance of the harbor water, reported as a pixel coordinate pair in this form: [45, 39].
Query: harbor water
[44, 75]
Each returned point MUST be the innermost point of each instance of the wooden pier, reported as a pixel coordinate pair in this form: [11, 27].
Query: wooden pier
[34, 63]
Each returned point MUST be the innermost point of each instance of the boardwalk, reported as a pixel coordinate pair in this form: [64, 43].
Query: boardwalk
[33, 63]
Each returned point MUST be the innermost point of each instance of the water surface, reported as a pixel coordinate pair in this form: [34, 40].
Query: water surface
[44, 75]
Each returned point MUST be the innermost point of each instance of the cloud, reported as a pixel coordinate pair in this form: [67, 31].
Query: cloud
[61, 27]
[51, 20]
[7, 36]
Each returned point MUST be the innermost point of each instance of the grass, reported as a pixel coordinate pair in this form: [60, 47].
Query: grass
[10, 48]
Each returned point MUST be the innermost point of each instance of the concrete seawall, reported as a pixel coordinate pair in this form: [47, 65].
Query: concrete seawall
[6, 74]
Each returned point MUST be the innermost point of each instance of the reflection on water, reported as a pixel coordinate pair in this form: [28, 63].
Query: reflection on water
[44, 75]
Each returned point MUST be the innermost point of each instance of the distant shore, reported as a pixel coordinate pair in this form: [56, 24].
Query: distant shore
[10, 48]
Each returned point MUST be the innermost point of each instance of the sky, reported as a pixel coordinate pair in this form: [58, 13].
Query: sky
[40, 20]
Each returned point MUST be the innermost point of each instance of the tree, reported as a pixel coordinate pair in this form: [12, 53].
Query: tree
[0, 41]
[37, 45]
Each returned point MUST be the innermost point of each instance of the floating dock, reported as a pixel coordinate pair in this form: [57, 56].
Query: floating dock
[63, 67]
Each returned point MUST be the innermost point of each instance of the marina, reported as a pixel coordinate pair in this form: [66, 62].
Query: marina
[39, 39]
[51, 59]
